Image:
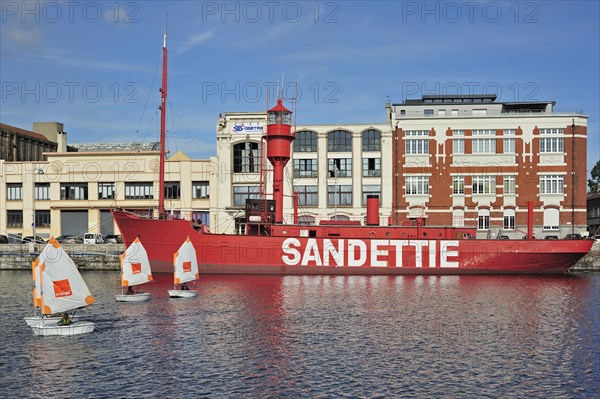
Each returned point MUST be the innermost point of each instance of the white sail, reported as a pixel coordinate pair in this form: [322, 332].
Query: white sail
[185, 263]
[135, 266]
[62, 287]
[36, 275]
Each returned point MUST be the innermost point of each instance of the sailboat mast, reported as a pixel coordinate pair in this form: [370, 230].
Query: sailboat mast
[163, 117]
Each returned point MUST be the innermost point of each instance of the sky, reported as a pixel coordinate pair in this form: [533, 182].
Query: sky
[95, 66]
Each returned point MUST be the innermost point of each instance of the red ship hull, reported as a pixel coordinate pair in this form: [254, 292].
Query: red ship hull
[361, 250]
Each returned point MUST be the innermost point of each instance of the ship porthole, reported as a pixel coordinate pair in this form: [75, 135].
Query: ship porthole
[284, 231]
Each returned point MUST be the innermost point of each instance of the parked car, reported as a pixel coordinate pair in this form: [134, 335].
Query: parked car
[93, 238]
[69, 240]
[573, 236]
[551, 237]
[597, 238]
[37, 240]
[113, 239]
[3, 239]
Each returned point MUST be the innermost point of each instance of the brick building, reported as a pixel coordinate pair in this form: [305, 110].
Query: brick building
[471, 161]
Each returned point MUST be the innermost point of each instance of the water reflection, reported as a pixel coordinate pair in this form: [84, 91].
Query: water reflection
[275, 336]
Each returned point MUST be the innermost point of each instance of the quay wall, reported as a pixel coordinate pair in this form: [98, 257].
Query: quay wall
[106, 256]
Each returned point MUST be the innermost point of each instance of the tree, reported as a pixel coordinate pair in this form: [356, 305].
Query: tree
[594, 182]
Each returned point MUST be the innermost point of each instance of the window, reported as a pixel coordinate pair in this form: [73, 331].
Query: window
[441, 112]
[371, 140]
[417, 142]
[306, 220]
[307, 195]
[14, 191]
[42, 191]
[201, 216]
[454, 112]
[200, 190]
[402, 112]
[172, 190]
[483, 219]
[428, 112]
[557, 131]
[509, 184]
[240, 193]
[458, 218]
[484, 146]
[551, 219]
[417, 185]
[14, 218]
[371, 167]
[509, 219]
[139, 190]
[240, 226]
[484, 185]
[339, 141]
[484, 132]
[42, 218]
[73, 191]
[106, 190]
[552, 144]
[458, 146]
[339, 195]
[370, 189]
[509, 146]
[551, 184]
[306, 141]
[339, 167]
[509, 132]
[479, 112]
[458, 185]
[305, 168]
[246, 158]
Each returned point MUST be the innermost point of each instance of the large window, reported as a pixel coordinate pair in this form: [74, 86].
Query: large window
[201, 216]
[240, 193]
[509, 219]
[106, 190]
[370, 189]
[483, 220]
[509, 184]
[42, 218]
[307, 195]
[139, 190]
[417, 142]
[458, 146]
[458, 185]
[305, 141]
[458, 218]
[14, 191]
[484, 146]
[73, 191]
[246, 158]
[371, 167]
[172, 190]
[339, 195]
[339, 167]
[551, 219]
[42, 191]
[551, 184]
[552, 144]
[305, 168]
[509, 146]
[371, 140]
[339, 141]
[200, 189]
[14, 218]
[484, 185]
[417, 185]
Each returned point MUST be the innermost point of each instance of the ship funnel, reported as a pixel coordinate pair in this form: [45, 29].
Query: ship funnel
[372, 210]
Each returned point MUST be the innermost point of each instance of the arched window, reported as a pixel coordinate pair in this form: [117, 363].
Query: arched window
[306, 141]
[371, 140]
[246, 157]
[306, 219]
[339, 141]
[551, 219]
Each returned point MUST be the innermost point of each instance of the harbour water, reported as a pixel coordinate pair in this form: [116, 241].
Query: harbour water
[315, 337]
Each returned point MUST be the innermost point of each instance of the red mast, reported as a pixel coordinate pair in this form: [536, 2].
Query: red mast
[163, 117]
[279, 138]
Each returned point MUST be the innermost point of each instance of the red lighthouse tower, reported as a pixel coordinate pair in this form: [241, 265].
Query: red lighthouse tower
[279, 137]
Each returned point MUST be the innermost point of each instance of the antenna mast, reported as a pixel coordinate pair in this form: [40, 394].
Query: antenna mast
[163, 116]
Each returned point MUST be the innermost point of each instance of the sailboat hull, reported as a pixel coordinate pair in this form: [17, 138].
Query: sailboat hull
[182, 293]
[38, 320]
[139, 297]
[77, 328]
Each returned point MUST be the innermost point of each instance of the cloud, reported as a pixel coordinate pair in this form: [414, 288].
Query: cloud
[19, 37]
[195, 40]
[80, 63]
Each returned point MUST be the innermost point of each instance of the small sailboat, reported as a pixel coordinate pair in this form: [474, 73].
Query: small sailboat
[58, 288]
[135, 270]
[186, 270]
